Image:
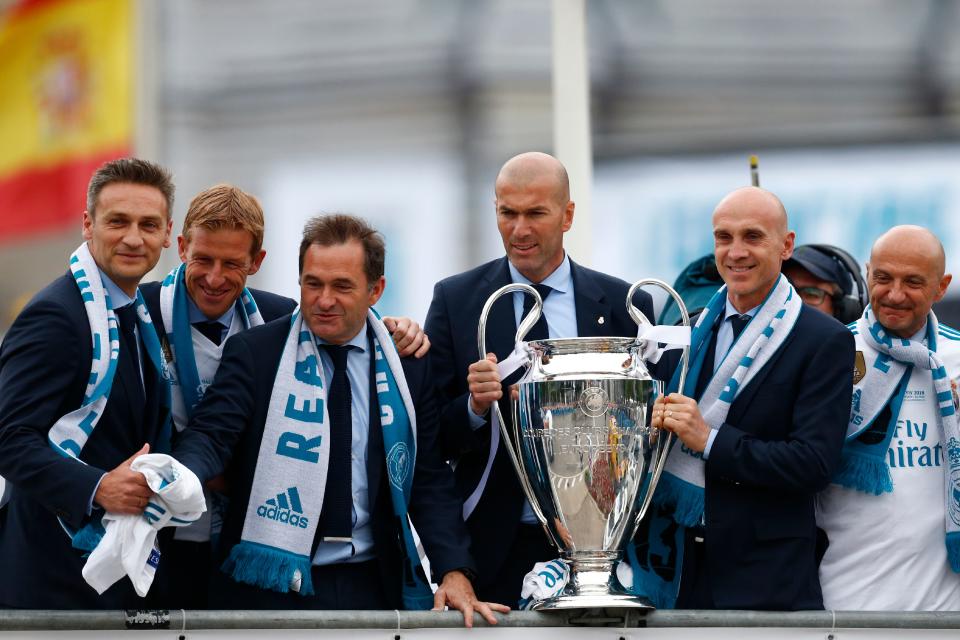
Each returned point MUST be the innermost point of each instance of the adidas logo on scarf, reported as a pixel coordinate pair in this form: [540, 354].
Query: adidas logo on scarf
[283, 510]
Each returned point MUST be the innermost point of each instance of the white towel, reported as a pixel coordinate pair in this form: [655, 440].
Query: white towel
[129, 545]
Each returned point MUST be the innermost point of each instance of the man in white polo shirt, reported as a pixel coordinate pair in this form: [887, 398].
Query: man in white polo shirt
[892, 516]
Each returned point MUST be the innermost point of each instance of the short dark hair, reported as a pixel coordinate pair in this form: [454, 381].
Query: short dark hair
[339, 228]
[132, 171]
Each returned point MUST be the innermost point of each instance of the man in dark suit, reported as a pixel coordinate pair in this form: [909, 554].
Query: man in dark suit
[45, 365]
[220, 246]
[361, 567]
[781, 439]
[533, 210]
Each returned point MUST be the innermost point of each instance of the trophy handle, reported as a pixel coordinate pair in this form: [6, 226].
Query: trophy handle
[641, 320]
[513, 443]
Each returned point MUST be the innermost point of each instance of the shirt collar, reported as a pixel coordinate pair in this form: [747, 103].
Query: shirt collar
[118, 297]
[358, 341]
[560, 280]
[195, 315]
[732, 311]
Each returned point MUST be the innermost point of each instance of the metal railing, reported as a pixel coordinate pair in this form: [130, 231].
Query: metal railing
[179, 620]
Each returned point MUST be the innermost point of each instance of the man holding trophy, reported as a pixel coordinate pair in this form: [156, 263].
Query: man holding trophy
[761, 422]
[533, 210]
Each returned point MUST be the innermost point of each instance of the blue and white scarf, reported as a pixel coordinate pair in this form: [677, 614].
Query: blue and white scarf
[286, 497]
[683, 478]
[889, 361]
[678, 501]
[174, 309]
[71, 432]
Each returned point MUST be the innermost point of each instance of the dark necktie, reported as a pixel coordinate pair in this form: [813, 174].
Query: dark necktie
[336, 517]
[127, 321]
[737, 323]
[212, 329]
[539, 330]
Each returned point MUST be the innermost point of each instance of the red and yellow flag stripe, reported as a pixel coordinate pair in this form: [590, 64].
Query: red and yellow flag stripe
[67, 106]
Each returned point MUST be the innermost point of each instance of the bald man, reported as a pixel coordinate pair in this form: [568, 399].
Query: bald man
[760, 422]
[533, 211]
[892, 514]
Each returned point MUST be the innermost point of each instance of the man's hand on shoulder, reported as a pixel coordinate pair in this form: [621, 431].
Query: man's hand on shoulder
[456, 592]
[407, 336]
[483, 381]
[123, 491]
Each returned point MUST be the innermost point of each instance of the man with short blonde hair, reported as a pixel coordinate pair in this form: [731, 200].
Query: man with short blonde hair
[225, 206]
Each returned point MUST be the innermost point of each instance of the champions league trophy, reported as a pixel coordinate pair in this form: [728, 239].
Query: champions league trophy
[582, 446]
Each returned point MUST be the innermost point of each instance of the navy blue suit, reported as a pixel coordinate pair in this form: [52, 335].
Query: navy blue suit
[44, 366]
[452, 320]
[271, 305]
[779, 446]
[227, 429]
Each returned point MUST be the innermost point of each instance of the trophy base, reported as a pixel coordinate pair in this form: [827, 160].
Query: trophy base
[592, 601]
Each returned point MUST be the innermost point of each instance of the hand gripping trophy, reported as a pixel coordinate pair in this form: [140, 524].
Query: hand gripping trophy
[581, 443]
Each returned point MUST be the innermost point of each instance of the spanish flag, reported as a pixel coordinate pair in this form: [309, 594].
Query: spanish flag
[66, 106]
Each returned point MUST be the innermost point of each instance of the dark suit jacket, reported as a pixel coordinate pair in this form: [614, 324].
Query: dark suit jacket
[452, 326]
[779, 446]
[271, 305]
[44, 366]
[228, 427]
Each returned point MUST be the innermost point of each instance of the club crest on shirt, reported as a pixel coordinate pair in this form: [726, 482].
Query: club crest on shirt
[859, 367]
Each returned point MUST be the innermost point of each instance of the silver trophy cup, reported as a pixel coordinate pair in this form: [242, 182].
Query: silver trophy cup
[583, 448]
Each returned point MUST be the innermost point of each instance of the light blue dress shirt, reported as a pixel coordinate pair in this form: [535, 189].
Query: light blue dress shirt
[724, 342]
[561, 311]
[358, 373]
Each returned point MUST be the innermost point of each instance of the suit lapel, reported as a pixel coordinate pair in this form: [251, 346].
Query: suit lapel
[743, 400]
[592, 307]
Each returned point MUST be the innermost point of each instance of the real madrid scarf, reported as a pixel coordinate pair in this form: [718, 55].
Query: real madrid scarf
[174, 309]
[678, 501]
[681, 486]
[291, 472]
[71, 432]
[888, 361]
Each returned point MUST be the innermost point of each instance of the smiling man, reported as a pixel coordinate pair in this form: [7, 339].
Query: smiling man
[200, 304]
[892, 514]
[761, 423]
[533, 211]
[81, 395]
[331, 442]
